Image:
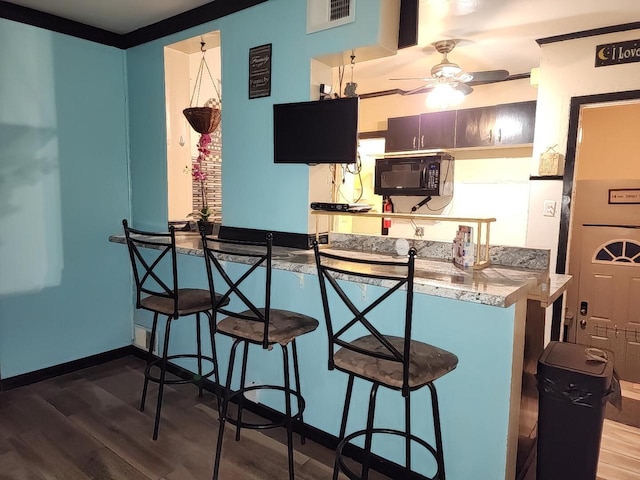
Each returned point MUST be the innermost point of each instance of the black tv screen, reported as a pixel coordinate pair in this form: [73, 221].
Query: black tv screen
[325, 131]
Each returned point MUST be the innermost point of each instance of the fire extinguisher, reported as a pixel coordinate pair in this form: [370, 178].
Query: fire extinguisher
[387, 206]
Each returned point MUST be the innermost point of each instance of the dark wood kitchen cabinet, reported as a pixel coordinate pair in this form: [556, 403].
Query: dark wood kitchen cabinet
[438, 130]
[402, 134]
[475, 127]
[506, 124]
[515, 123]
[428, 131]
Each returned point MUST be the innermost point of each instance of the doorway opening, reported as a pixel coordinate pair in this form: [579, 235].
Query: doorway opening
[600, 236]
[194, 161]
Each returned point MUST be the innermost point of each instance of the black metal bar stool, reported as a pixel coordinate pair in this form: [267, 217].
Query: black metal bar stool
[251, 324]
[395, 362]
[153, 257]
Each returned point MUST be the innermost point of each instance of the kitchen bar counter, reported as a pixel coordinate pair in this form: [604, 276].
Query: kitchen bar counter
[480, 315]
[496, 286]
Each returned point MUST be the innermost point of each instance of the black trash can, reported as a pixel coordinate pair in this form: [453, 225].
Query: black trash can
[573, 391]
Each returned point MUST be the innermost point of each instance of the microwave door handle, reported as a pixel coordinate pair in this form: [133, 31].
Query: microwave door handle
[423, 176]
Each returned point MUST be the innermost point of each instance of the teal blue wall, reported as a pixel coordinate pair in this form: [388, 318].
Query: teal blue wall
[256, 193]
[65, 291]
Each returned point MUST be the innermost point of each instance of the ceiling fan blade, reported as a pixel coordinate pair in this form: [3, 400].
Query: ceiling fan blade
[422, 89]
[487, 76]
[464, 88]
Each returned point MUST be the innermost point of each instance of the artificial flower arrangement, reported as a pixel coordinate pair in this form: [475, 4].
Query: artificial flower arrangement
[200, 176]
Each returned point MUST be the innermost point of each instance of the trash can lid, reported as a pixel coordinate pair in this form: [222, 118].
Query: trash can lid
[573, 357]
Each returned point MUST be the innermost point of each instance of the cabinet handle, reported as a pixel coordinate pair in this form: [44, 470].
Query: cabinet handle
[491, 136]
[422, 141]
[414, 143]
[499, 135]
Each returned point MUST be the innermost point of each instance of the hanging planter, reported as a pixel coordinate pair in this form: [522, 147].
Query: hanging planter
[203, 119]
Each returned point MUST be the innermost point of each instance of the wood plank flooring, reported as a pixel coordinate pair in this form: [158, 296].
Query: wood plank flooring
[87, 425]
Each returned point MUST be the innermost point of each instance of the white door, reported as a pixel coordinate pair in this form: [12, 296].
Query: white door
[609, 294]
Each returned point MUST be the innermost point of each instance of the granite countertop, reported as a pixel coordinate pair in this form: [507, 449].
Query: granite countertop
[498, 286]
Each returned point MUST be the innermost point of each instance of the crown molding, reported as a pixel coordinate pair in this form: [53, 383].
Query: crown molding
[191, 18]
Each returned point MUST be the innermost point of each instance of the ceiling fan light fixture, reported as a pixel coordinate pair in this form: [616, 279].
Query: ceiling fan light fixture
[447, 69]
[444, 95]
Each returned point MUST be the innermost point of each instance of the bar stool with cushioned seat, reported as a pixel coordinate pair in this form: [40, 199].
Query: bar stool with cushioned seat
[395, 362]
[252, 323]
[154, 257]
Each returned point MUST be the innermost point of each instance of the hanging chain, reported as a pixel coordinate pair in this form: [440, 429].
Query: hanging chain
[198, 83]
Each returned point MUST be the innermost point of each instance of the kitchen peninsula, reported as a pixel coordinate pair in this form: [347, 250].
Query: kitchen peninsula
[480, 315]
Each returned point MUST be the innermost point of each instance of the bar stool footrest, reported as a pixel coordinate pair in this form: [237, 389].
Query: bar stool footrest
[385, 431]
[264, 426]
[195, 379]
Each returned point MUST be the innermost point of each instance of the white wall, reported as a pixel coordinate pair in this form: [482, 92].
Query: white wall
[177, 91]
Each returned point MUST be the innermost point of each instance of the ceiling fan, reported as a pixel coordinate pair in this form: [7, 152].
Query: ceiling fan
[447, 72]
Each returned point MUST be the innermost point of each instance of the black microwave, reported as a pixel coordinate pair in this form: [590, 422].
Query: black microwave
[418, 174]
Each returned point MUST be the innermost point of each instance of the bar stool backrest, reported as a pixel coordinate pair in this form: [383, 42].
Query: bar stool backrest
[218, 255]
[148, 268]
[395, 276]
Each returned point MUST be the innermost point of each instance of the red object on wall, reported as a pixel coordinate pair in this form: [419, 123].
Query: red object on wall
[387, 206]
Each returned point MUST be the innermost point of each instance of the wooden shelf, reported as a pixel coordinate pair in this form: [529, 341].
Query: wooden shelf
[482, 227]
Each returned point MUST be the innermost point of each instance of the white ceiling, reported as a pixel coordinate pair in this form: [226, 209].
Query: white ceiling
[494, 34]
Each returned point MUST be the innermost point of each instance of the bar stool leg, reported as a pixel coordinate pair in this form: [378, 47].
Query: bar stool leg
[369, 433]
[243, 377]
[225, 406]
[287, 394]
[438, 431]
[199, 348]
[163, 371]
[296, 372]
[343, 423]
[214, 355]
[143, 399]
[407, 429]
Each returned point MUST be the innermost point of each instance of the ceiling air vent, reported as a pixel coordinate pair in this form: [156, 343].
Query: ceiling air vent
[324, 14]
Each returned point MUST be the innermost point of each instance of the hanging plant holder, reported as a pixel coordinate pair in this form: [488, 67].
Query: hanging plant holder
[203, 119]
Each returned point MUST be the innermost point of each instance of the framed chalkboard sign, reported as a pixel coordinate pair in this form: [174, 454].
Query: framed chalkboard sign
[260, 71]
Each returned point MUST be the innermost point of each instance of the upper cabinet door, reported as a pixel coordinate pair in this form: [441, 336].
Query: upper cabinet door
[402, 134]
[475, 127]
[515, 123]
[437, 130]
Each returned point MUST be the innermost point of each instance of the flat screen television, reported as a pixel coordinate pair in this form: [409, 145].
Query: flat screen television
[325, 131]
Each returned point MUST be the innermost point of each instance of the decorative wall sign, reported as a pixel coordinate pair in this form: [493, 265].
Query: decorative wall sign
[629, 196]
[260, 71]
[617, 53]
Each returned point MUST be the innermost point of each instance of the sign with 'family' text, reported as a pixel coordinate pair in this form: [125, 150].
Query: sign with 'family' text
[260, 71]
[617, 53]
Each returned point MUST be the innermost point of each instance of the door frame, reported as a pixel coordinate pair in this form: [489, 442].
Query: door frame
[568, 182]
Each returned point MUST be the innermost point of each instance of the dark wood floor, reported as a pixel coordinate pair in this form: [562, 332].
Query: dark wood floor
[86, 425]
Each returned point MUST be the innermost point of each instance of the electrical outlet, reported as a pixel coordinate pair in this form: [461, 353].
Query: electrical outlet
[419, 231]
[549, 209]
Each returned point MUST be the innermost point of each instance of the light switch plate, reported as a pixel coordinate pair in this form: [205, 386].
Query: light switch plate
[549, 209]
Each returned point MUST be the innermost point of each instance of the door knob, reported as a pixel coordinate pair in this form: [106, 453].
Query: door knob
[583, 324]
